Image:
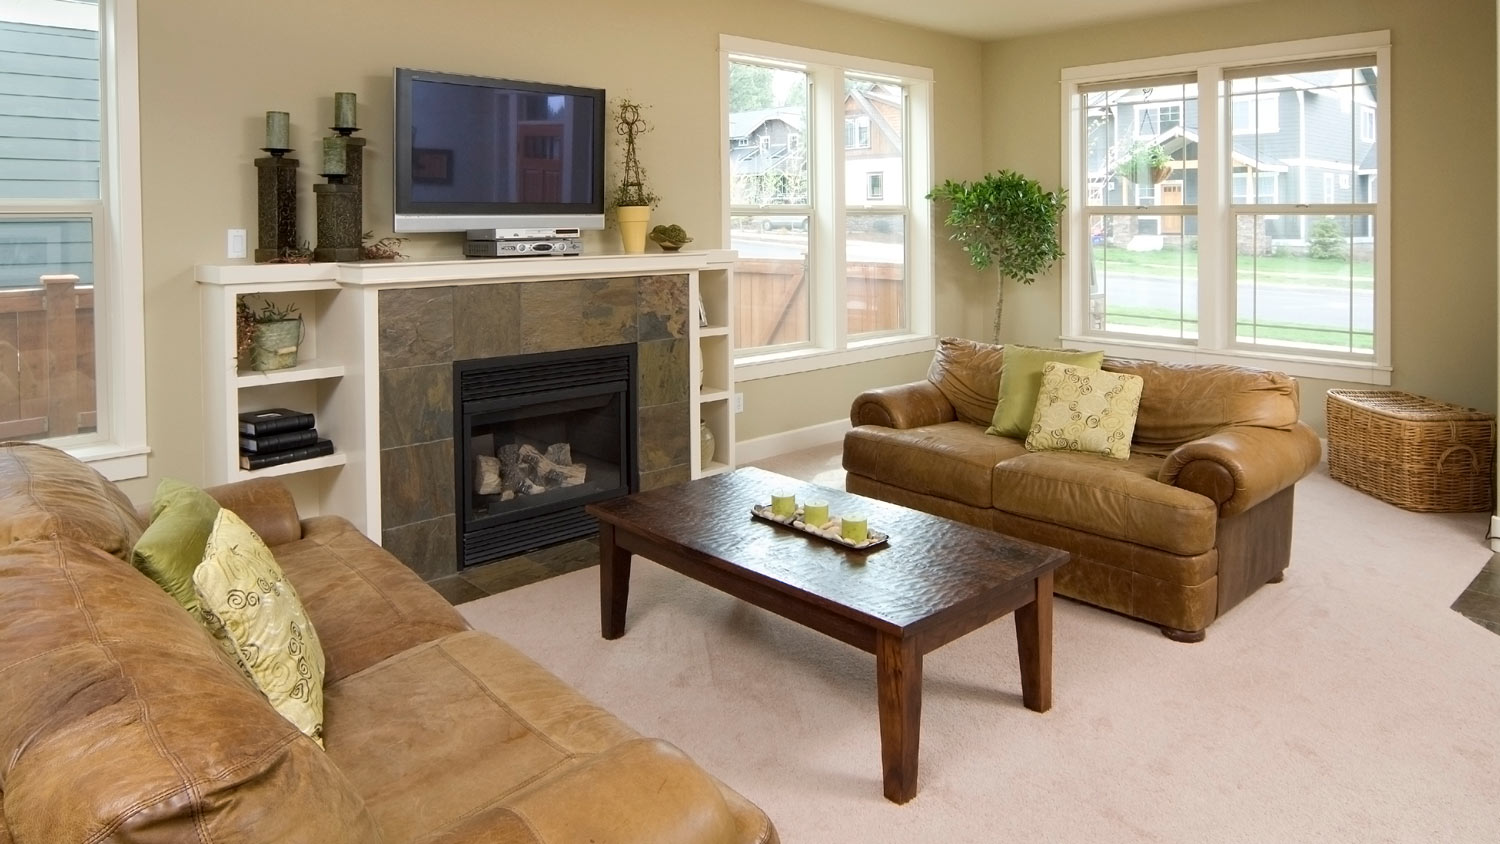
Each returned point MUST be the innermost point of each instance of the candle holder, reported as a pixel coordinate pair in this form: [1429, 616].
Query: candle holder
[276, 199]
[345, 131]
[339, 219]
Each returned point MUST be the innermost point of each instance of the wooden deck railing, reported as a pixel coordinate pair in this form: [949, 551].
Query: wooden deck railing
[47, 359]
[772, 306]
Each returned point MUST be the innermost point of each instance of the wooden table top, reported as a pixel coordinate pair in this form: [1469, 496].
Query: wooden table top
[930, 567]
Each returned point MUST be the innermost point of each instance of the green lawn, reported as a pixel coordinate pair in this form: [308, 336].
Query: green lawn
[1168, 262]
[1326, 337]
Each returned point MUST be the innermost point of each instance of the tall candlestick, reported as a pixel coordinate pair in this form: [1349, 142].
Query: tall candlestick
[278, 130]
[333, 157]
[343, 111]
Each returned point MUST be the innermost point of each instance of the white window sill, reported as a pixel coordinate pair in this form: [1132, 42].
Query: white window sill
[751, 368]
[1295, 365]
[112, 460]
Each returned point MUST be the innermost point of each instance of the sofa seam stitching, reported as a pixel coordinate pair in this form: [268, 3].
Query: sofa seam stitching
[530, 727]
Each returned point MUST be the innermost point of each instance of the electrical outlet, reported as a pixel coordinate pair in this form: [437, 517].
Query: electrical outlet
[739, 402]
[236, 243]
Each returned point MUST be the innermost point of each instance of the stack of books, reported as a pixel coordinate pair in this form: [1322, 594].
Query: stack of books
[278, 435]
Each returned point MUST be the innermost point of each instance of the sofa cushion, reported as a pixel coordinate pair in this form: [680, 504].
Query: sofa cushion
[1121, 499]
[1021, 380]
[171, 547]
[255, 615]
[120, 720]
[953, 460]
[447, 728]
[1086, 410]
[365, 603]
[46, 492]
[1184, 402]
[967, 373]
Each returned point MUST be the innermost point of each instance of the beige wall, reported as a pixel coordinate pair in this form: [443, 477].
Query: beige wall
[209, 71]
[1443, 247]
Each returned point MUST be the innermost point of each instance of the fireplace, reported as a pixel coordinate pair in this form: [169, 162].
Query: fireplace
[538, 437]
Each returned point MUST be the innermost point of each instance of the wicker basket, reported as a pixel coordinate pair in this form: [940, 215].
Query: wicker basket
[1411, 451]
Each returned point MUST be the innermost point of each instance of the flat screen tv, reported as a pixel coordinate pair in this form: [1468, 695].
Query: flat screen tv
[478, 153]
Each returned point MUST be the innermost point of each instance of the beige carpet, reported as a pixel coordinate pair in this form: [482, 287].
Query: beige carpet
[1347, 704]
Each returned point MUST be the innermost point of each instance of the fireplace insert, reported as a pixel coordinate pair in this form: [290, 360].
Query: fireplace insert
[538, 437]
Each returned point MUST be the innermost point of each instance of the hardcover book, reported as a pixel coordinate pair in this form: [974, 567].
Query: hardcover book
[258, 423]
[291, 455]
[279, 442]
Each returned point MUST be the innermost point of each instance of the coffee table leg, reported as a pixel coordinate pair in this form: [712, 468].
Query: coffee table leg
[614, 583]
[1034, 641]
[898, 671]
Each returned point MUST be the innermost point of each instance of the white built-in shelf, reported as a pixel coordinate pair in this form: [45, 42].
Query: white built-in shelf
[712, 395]
[308, 370]
[338, 458]
[715, 468]
[714, 331]
[312, 276]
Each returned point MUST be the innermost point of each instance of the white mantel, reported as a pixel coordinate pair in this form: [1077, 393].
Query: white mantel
[338, 373]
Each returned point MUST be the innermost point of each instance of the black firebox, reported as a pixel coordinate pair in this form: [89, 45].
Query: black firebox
[538, 437]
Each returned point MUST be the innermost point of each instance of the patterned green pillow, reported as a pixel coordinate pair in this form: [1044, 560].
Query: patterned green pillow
[1021, 377]
[1087, 410]
[256, 617]
[171, 547]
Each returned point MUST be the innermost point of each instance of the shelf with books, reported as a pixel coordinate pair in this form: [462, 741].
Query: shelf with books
[305, 370]
[327, 461]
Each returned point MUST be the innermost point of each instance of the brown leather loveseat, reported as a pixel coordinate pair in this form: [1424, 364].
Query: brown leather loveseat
[121, 720]
[1195, 520]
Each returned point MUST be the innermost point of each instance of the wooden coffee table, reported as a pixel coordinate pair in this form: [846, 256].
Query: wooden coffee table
[935, 581]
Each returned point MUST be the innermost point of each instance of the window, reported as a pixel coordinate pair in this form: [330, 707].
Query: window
[1273, 246]
[70, 231]
[857, 132]
[835, 260]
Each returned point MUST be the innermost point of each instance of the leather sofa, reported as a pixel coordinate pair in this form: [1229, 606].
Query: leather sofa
[1197, 518]
[121, 720]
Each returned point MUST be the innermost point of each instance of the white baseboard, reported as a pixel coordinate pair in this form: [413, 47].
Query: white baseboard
[1495, 533]
[749, 451]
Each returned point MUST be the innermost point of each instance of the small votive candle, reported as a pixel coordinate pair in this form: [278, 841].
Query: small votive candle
[815, 513]
[783, 503]
[278, 130]
[855, 529]
[343, 111]
[333, 157]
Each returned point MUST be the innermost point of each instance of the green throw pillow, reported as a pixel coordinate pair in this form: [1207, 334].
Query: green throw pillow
[171, 547]
[1085, 410]
[1021, 380]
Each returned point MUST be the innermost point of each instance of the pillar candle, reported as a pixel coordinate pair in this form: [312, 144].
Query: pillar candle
[333, 157]
[783, 503]
[815, 513]
[278, 130]
[855, 529]
[343, 111]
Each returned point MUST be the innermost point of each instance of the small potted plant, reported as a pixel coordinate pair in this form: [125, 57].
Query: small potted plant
[670, 238]
[1144, 162]
[630, 198]
[267, 339]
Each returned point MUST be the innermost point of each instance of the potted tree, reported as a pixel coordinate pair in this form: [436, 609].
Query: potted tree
[1007, 221]
[631, 200]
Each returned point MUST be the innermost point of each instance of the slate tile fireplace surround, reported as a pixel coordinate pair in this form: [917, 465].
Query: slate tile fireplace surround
[423, 331]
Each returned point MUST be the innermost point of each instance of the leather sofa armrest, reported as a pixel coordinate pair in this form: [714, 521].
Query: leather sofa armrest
[265, 504]
[643, 790]
[1240, 467]
[902, 406]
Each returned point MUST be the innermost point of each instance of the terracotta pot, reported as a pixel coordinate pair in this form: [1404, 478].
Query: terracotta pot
[633, 220]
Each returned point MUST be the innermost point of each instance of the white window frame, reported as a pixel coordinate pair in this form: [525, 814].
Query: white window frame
[875, 186]
[118, 448]
[831, 344]
[1267, 113]
[1216, 341]
[857, 132]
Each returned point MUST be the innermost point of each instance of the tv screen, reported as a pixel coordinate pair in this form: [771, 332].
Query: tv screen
[474, 152]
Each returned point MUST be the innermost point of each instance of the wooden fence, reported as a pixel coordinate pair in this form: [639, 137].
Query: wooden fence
[47, 359]
[772, 307]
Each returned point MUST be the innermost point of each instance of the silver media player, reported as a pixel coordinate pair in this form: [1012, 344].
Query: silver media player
[522, 248]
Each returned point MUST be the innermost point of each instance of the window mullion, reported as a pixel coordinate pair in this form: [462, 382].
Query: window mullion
[1216, 270]
[827, 293]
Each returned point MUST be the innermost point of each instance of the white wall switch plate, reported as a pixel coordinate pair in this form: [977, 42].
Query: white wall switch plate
[739, 402]
[236, 243]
